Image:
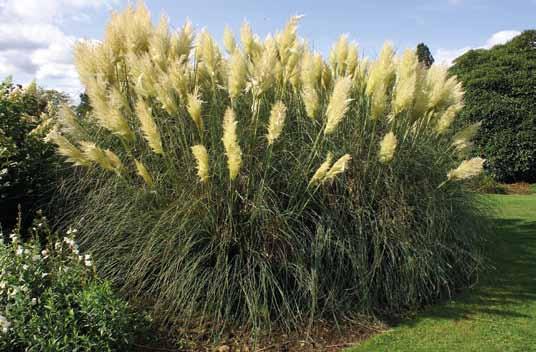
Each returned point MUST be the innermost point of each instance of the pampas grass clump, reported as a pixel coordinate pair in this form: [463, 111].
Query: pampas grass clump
[265, 186]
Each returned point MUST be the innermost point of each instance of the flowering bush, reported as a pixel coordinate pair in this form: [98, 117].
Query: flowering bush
[51, 300]
[266, 185]
[28, 165]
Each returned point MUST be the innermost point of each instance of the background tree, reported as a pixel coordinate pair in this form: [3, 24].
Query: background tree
[28, 164]
[500, 91]
[424, 55]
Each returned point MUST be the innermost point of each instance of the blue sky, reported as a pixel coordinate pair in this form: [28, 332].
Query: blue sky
[36, 36]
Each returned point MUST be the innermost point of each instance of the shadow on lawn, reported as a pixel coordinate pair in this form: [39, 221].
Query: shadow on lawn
[510, 282]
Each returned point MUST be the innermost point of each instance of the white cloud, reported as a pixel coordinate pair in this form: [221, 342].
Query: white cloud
[33, 44]
[447, 56]
[501, 38]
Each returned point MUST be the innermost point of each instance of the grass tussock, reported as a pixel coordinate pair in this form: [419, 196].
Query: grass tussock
[266, 186]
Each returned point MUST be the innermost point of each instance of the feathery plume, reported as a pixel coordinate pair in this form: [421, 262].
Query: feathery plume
[208, 54]
[230, 143]
[310, 100]
[68, 121]
[404, 91]
[277, 121]
[338, 167]
[265, 68]
[380, 79]
[237, 74]
[248, 40]
[201, 158]
[144, 173]
[322, 170]
[96, 155]
[461, 139]
[467, 169]
[229, 40]
[194, 108]
[160, 44]
[138, 29]
[339, 54]
[311, 69]
[352, 60]
[149, 127]
[181, 43]
[442, 90]
[447, 118]
[67, 149]
[114, 160]
[338, 104]
[108, 109]
[286, 40]
[388, 147]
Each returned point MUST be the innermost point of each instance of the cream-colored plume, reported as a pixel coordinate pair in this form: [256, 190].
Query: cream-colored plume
[338, 167]
[322, 170]
[149, 127]
[467, 169]
[406, 82]
[338, 104]
[463, 137]
[201, 158]
[68, 121]
[144, 173]
[276, 122]
[447, 118]
[194, 108]
[228, 40]
[95, 154]
[237, 72]
[230, 143]
[67, 149]
[388, 147]
[380, 79]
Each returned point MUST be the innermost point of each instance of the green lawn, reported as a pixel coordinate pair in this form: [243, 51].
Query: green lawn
[499, 314]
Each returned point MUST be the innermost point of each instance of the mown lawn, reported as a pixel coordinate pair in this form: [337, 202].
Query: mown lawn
[499, 314]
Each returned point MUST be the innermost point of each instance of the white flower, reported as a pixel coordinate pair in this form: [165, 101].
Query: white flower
[34, 301]
[25, 267]
[4, 324]
[44, 253]
[43, 275]
[3, 285]
[20, 251]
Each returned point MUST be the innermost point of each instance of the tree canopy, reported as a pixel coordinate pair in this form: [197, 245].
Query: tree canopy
[424, 55]
[500, 91]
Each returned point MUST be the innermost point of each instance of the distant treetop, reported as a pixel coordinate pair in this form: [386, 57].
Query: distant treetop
[424, 55]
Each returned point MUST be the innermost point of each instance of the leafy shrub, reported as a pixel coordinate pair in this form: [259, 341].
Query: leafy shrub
[499, 85]
[268, 186]
[28, 165]
[51, 299]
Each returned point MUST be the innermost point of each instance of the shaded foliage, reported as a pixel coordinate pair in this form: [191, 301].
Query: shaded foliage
[424, 55]
[500, 86]
[28, 165]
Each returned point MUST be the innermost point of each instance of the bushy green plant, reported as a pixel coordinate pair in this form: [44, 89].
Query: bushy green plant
[267, 186]
[499, 85]
[52, 300]
[28, 165]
